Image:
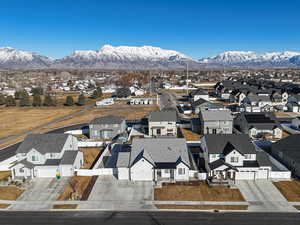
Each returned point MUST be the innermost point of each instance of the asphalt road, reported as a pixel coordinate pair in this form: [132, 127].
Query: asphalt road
[144, 218]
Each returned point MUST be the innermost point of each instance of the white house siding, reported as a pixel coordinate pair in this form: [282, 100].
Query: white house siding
[183, 167]
[20, 171]
[67, 170]
[35, 157]
[123, 173]
[141, 170]
[167, 128]
[237, 155]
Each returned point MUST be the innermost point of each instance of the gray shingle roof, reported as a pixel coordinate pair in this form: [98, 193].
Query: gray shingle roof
[289, 146]
[108, 120]
[43, 143]
[158, 116]
[160, 150]
[69, 157]
[217, 143]
[123, 159]
[208, 115]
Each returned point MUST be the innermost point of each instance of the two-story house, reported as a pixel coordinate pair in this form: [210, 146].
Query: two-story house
[47, 155]
[258, 125]
[287, 151]
[162, 123]
[199, 93]
[107, 127]
[216, 122]
[202, 104]
[233, 156]
[256, 103]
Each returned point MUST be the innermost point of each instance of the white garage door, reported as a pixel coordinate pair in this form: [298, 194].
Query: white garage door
[245, 175]
[46, 172]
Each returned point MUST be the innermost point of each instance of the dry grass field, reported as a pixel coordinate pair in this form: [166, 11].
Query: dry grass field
[4, 175]
[203, 207]
[129, 112]
[17, 120]
[196, 191]
[10, 192]
[4, 206]
[289, 189]
[190, 135]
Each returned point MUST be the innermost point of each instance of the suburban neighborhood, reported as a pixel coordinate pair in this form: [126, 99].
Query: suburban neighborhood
[230, 145]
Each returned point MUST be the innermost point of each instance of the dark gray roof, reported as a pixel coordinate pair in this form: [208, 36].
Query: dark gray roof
[211, 115]
[51, 162]
[43, 143]
[108, 120]
[289, 146]
[69, 157]
[158, 116]
[218, 143]
[261, 120]
[160, 150]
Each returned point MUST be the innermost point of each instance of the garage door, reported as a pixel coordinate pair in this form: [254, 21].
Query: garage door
[46, 172]
[245, 175]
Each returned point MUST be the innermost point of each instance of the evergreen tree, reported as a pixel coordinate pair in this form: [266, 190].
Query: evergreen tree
[48, 101]
[2, 99]
[17, 95]
[69, 101]
[10, 101]
[37, 91]
[81, 100]
[97, 93]
[24, 98]
[37, 101]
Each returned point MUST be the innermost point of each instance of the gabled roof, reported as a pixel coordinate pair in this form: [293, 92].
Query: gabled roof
[289, 146]
[43, 143]
[69, 157]
[108, 120]
[220, 162]
[200, 101]
[218, 143]
[160, 150]
[199, 91]
[159, 116]
[208, 115]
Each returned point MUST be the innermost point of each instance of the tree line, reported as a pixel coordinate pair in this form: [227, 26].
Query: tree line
[37, 101]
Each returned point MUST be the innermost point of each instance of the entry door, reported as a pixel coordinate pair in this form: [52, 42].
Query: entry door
[172, 174]
[158, 131]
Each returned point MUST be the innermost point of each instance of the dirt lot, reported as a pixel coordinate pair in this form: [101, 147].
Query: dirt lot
[4, 175]
[196, 191]
[4, 206]
[17, 120]
[65, 206]
[80, 183]
[204, 207]
[289, 189]
[10, 192]
[90, 155]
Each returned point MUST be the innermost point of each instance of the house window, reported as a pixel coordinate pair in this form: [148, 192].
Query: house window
[181, 171]
[234, 159]
[158, 131]
[214, 131]
[21, 170]
[33, 158]
[167, 171]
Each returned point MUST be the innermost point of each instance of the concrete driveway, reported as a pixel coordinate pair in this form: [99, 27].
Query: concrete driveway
[41, 189]
[110, 193]
[263, 196]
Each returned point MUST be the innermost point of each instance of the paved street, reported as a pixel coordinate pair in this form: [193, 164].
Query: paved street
[40, 190]
[110, 193]
[263, 196]
[145, 218]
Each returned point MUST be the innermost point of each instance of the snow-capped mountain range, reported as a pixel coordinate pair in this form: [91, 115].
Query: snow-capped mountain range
[146, 57]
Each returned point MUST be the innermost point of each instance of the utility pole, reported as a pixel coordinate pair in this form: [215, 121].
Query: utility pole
[187, 78]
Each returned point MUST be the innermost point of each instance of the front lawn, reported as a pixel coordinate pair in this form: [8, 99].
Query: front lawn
[289, 189]
[10, 192]
[196, 191]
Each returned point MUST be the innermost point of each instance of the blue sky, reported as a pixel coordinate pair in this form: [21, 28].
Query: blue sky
[198, 28]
